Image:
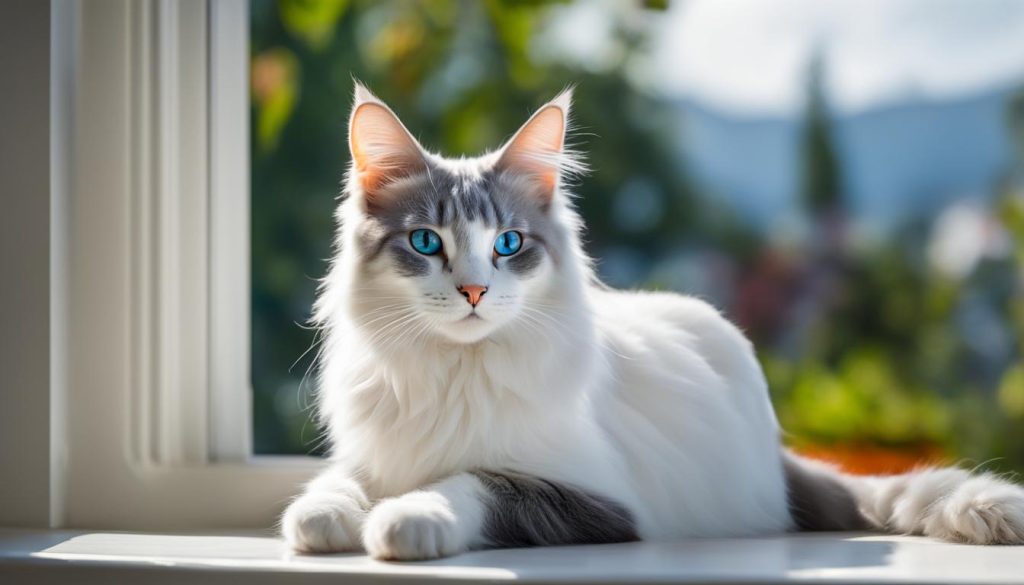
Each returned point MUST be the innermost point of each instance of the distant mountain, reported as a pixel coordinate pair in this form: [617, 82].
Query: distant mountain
[899, 161]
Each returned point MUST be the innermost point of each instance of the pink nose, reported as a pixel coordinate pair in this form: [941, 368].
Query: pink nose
[472, 292]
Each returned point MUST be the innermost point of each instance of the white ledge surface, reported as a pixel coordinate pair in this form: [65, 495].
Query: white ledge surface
[28, 556]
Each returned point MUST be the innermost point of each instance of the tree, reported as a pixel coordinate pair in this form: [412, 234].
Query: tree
[821, 178]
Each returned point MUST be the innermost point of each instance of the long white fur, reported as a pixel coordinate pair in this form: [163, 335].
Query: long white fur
[651, 399]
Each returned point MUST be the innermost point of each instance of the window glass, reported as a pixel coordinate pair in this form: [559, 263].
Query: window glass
[842, 180]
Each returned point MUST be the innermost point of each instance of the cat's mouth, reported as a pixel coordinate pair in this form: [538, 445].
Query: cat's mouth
[472, 316]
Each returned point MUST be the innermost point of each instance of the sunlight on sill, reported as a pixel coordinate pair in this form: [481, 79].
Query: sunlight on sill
[865, 558]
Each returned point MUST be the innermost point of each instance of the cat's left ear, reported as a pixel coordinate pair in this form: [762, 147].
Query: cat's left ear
[538, 152]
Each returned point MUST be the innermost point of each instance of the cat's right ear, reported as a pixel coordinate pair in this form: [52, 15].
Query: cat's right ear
[382, 149]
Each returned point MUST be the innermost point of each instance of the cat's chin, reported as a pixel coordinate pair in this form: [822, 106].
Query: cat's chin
[470, 329]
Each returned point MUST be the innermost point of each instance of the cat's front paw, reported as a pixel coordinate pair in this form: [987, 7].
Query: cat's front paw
[412, 528]
[321, 522]
[983, 510]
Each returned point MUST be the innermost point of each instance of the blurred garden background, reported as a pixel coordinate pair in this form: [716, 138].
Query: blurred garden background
[843, 179]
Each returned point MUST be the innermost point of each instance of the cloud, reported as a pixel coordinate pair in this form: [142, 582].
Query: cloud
[752, 55]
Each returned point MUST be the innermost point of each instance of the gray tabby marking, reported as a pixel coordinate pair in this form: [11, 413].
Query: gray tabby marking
[449, 198]
[525, 261]
[818, 500]
[524, 510]
[407, 262]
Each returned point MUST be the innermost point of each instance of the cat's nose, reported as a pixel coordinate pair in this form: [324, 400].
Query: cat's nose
[472, 292]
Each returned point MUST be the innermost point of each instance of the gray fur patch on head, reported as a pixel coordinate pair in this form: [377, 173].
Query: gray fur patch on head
[526, 261]
[452, 197]
[407, 262]
[524, 510]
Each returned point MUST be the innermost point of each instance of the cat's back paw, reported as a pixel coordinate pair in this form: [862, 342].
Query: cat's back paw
[412, 528]
[983, 510]
[323, 522]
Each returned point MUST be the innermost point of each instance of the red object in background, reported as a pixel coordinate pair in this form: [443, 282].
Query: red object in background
[766, 292]
[860, 459]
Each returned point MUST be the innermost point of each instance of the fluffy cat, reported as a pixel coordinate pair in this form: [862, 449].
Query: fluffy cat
[482, 389]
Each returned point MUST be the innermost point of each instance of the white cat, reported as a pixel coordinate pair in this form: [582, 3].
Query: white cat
[483, 389]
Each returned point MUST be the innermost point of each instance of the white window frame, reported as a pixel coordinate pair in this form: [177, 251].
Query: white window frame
[158, 397]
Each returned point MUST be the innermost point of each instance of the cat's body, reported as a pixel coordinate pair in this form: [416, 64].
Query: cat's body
[481, 399]
[595, 407]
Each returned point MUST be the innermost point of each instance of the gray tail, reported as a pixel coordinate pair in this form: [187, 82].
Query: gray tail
[948, 503]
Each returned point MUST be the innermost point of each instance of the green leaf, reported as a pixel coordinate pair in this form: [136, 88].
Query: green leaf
[1011, 391]
[275, 91]
[312, 21]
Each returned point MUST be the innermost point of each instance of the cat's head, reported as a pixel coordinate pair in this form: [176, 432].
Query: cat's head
[458, 248]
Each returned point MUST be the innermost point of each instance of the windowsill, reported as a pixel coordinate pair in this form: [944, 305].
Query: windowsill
[28, 556]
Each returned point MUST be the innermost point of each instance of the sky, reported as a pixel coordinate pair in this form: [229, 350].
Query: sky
[917, 90]
[751, 56]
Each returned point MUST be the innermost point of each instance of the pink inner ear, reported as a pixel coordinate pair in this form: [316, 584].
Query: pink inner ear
[381, 147]
[537, 147]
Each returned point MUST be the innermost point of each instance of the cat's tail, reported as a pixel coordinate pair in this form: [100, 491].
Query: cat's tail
[948, 503]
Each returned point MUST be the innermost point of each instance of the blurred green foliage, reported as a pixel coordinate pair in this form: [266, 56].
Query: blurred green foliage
[861, 343]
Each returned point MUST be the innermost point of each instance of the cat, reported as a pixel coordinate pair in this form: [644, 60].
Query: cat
[481, 388]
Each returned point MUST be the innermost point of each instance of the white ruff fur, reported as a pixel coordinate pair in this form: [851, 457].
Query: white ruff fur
[653, 400]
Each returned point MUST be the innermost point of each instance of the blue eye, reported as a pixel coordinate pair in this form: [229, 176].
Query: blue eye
[426, 242]
[508, 243]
